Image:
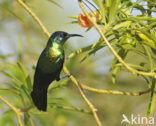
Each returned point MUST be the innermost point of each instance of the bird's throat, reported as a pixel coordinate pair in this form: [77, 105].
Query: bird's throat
[57, 45]
[56, 50]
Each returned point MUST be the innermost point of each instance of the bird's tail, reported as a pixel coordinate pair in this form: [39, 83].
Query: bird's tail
[40, 99]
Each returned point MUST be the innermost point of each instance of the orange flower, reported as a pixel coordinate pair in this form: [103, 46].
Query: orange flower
[83, 21]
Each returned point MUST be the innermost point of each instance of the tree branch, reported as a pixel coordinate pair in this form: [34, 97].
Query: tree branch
[17, 111]
[35, 17]
[91, 106]
[114, 92]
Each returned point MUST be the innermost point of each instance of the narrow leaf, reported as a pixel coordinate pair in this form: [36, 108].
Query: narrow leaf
[22, 68]
[153, 98]
[52, 1]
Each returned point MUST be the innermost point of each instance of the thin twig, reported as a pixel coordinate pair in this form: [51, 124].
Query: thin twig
[34, 16]
[134, 71]
[17, 111]
[73, 79]
[114, 92]
[91, 106]
[71, 108]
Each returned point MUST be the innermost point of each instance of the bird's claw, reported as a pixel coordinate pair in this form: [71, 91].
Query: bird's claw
[69, 74]
[57, 79]
[66, 76]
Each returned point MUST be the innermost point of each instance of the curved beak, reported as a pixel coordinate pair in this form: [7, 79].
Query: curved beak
[74, 35]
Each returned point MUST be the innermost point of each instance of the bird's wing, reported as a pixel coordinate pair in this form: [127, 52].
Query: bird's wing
[60, 68]
[42, 79]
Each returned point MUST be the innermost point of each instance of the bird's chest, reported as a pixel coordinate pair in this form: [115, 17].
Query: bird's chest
[53, 55]
[51, 60]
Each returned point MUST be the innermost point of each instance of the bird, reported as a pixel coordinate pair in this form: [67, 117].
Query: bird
[48, 68]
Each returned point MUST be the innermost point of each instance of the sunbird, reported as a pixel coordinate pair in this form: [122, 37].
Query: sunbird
[49, 66]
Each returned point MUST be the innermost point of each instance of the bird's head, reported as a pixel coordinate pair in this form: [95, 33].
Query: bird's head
[60, 37]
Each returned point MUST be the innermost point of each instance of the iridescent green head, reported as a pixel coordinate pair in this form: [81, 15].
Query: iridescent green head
[60, 37]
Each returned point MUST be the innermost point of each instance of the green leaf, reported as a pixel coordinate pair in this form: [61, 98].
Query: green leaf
[109, 2]
[153, 98]
[122, 25]
[61, 84]
[152, 25]
[28, 120]
[52, 100]
[115, 67]
[11, 12]
[93, 51]
[100, 4]
[69, 108]
[7, 119]
[113, 8]
[6, 56]
[73, 17]
[22, 68]
[139, 7]
[148, 39]
[114, 73]
[20, 48]
[26, 75]
[96, 2]
[24, 90]
[96, 46]
[12, 87]
[54, 2]
[29, 83]
[16, 80]
[72, 22]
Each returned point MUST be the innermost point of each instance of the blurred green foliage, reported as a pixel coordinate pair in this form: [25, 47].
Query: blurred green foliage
[129, 26]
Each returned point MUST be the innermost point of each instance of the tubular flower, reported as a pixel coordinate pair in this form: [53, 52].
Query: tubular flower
[84, 22]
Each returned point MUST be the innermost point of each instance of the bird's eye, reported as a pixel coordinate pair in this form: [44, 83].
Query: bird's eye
[60, 37]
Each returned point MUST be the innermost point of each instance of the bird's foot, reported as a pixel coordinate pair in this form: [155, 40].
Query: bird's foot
[66, 76]
[58, 78]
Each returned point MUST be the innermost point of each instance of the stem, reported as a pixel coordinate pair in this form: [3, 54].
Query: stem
[91, 106]
[35, 17]
[17, 111]
[114, 92]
